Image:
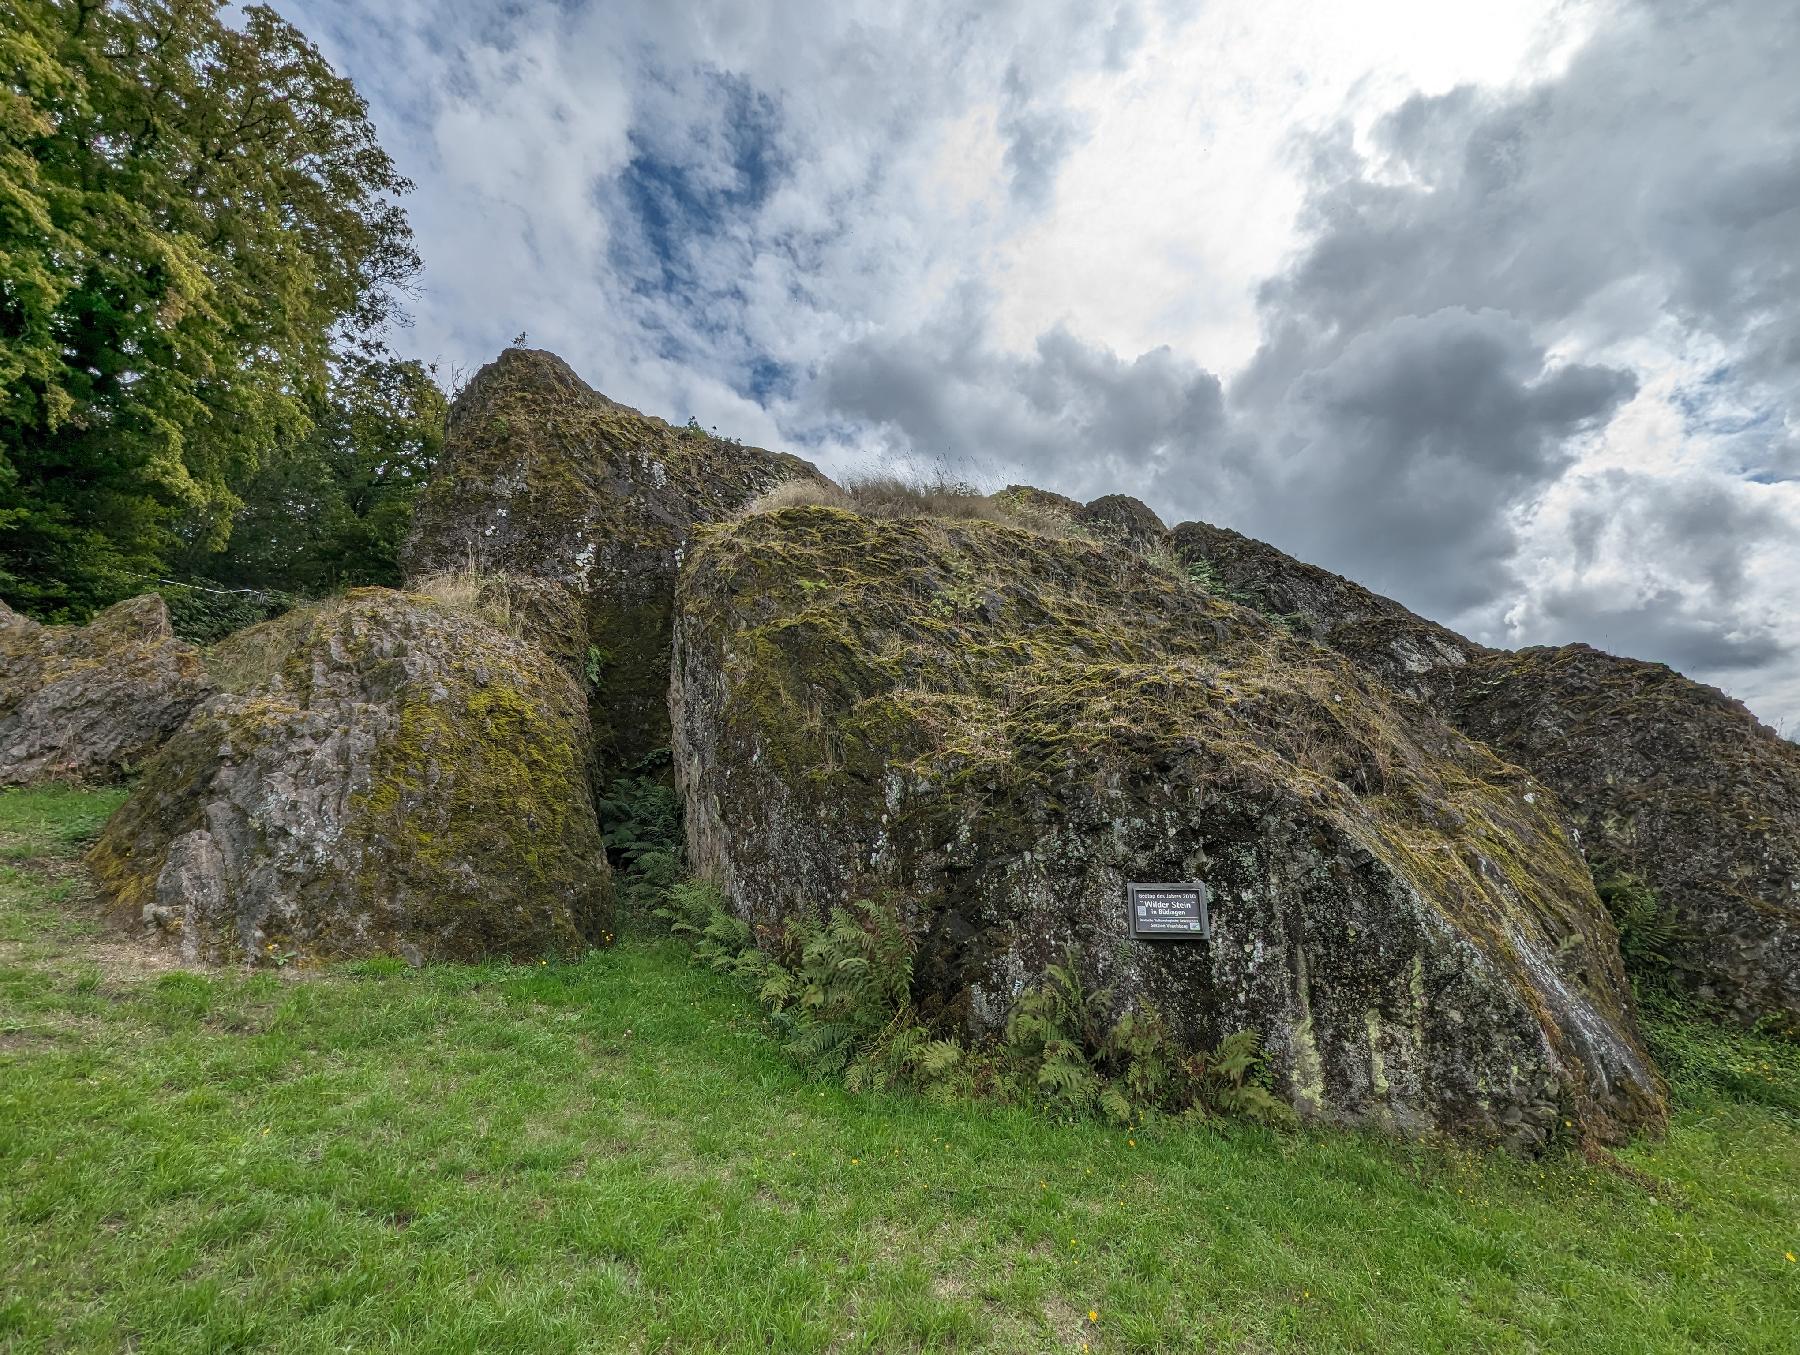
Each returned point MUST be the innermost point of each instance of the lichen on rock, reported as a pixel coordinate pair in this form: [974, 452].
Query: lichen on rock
[1666, 778]
[543, 476]
[1004, 728]
[92, 702]
[382, 774]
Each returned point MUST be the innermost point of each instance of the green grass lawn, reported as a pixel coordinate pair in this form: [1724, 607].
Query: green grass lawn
[611, 1155]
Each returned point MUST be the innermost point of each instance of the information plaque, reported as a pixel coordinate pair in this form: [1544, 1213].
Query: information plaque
[1168, 912]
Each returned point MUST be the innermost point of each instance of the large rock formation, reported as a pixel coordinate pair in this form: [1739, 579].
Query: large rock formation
[1672, 782]
[1003, 728]
[384, 773]
[1667, 779]
[92, 702]
[543, 476]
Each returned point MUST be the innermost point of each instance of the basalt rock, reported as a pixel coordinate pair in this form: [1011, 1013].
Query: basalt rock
[1117, 518]
[542, 476]
[1001, 728]
[383, 774]
[1415, 657]
[92, 702]
[1123, 520]
[1672, 782]
[1667, 779]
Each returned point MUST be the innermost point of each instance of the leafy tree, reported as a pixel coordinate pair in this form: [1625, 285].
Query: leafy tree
[333, 509]
[196, 222]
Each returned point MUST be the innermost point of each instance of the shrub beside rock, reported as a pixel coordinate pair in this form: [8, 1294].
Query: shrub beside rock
[92, 702]
[384, 774]
[1001, 729]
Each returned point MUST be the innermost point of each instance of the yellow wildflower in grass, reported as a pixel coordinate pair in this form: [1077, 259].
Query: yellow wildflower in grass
[1790, 1257]
[1093, 1315]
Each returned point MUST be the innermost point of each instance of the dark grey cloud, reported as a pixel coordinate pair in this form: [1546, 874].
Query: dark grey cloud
[1408, 449]
[1069, 412]
[1663, 567]
[1416, 431]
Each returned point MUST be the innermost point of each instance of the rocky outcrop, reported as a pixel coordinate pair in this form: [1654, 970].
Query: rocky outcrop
[1415, 657]
[1001, 729]
[92, 702]
[1123, 520]
[1674, 783]
[542, 476]
[1667, 779]
[384, 774]
[1116, 518]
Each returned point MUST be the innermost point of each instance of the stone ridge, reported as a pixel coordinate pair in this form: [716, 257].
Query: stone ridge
[1667, 779]
[1000, 728]
[91, 703]
[542, 476]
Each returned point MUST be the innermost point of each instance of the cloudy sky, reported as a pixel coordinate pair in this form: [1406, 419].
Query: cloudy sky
[1494, 307]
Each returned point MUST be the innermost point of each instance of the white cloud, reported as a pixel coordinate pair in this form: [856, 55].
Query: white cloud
[1180, 250]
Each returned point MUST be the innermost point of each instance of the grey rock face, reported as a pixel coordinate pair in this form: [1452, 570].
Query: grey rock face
[91, 702]
[1001, 730]
[542, 476]
[386, 775]
[1667, 779]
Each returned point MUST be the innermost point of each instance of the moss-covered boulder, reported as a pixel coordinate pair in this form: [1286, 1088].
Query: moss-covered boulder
[1001, 729]
[1668, 780]
[91, 702]
[543, 476]
[383, 774]
[1673, 783]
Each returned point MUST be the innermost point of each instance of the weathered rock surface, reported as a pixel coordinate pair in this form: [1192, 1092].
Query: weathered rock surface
[91, 702]
[384, 774]
[1003, 728]
[1116, 518]
[1415, 657]
[1672, 782]
[1666, 778]
[543, 476]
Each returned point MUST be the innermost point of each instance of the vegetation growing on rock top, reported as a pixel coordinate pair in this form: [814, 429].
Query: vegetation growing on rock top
[1004, 727]
[384, 774]
[541, 475]
[1666, 778]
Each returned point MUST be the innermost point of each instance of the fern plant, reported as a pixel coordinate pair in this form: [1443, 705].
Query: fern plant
[839, 995]
[641, 820]
[1649, 935]
[1050, 1036]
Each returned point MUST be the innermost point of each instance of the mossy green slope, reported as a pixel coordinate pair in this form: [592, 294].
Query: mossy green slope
[387, 774]
[1005, 727]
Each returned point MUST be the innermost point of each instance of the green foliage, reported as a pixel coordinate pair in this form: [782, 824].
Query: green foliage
[196, 223]
[206, 613]
[1063, 1049]
[332, 510]
[641, 820]
[1649, 935]
[838, 992]
[1707, 1060]
[840, 995]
